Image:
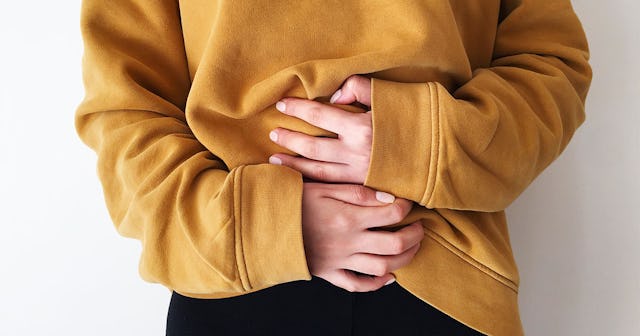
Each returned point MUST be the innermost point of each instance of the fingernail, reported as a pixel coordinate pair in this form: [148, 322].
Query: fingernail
[275, 160]
[281, 106]
[335, 96]
[390, 281]
[384, 197]
[273, 136]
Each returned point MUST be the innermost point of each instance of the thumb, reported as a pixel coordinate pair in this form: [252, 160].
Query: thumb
[358, 195]
[355, 89]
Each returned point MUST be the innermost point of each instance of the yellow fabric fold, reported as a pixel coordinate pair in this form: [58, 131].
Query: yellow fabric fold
[204, 228]
[471, 101]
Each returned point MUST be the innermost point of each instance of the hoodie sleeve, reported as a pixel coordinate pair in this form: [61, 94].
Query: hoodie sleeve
[479, 147]
[204, 229]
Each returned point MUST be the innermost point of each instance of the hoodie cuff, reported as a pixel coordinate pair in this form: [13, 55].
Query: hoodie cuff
[269, 210]
[405, 139]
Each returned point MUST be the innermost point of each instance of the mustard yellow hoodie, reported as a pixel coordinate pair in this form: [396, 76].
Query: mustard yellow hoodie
[471, 100]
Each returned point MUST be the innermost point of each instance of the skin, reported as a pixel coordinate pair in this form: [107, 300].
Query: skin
[337, 217]
[345, 159]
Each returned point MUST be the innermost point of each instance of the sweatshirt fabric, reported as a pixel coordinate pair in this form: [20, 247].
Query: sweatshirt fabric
[471, 100]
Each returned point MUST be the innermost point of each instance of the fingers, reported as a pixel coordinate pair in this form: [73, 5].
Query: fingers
[316, 148]
[377, 265]
[391, 243]
[358, 195]
[338, 242]
[353, 282]
[393, 212]
[318, 114]
[355, 88]
[374, 217]
[317, 170]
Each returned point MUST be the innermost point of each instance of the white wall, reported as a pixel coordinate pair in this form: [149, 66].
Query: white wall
[63, 268]
[576, 230]
[65, 271]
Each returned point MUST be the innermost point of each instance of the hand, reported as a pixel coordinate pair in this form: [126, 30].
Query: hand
[338, 242]
[345, 159]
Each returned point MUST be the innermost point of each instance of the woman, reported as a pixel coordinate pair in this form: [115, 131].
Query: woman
[453, 107]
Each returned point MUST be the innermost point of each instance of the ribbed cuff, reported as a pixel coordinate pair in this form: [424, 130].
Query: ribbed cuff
[405, 139]
[269, 246]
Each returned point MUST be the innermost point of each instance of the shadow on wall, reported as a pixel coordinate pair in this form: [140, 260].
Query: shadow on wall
[576, 230]
[549, 242]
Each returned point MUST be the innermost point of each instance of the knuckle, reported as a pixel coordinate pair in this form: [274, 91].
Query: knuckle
[364, 131]
[396, 212]
[314, 115]
[309, 148]
[396, 245]
[319, 172]
[417, 229]
[341, 223]
[362, 135]
[406, 204]
[351, 82]
[359, 193]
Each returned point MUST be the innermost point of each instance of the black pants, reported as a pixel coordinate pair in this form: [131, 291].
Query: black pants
[310, 308]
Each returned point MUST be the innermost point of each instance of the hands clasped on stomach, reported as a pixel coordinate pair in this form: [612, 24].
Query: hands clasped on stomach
[339, 220]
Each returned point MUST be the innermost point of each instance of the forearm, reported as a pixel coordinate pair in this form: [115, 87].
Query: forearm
[201, 225]
[478, 147]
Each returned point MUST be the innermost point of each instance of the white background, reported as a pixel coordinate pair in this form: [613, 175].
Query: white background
[65, 271]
